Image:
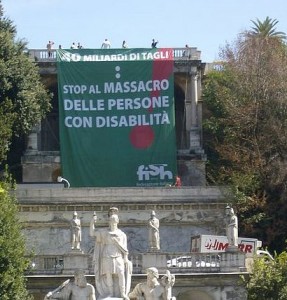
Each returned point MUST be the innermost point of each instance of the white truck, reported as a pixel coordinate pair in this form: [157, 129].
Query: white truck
[218, 243]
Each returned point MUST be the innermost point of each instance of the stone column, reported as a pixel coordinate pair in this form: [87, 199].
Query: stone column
[188, 106]
[192, 124]
[194, 97]
[33, 142]
[191, 101]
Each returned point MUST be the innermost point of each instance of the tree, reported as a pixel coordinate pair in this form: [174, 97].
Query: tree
[23, 103]
[268, 279]
[12, 248]
[246, 132]
[24, 100]
[266, 29]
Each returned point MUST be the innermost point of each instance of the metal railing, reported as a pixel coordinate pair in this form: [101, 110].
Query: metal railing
[46, 264]
[180, 54]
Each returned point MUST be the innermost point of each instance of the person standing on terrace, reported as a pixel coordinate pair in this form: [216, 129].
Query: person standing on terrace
[154, 43]
[106, 44]
[49, 48]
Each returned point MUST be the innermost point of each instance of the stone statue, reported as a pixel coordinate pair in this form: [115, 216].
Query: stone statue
[78, 289]
[112, 268]
[152, 289]
[76, 234]
[153, 232]
[231, 226]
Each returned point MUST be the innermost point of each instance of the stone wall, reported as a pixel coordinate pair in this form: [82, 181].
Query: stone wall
[46, 215]
[46, 211]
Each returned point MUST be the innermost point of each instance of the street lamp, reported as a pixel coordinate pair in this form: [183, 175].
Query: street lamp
[61, 179]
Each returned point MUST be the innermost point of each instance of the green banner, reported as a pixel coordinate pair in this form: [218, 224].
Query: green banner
[117, 126]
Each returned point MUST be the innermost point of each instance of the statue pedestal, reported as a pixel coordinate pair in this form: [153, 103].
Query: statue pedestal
[111, 298]
[75, 260]
[153, 250]
[154, 259]
[232, 261]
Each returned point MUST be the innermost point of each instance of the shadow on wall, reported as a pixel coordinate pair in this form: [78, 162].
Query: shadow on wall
[179, 96]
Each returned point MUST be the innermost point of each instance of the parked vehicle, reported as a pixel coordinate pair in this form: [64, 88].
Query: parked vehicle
[186, 261]
[217, 243]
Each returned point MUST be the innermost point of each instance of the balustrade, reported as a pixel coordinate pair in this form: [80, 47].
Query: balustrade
[180, 54]
[175, 262]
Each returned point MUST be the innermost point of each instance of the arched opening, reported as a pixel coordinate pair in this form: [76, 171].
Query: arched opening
[180, 127]
[49, 140]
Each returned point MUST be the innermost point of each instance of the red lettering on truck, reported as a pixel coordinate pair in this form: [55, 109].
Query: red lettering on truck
[245, 248]
[248, 248]
[222, 246]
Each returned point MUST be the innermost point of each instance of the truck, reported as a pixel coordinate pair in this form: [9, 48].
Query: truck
[219, 243]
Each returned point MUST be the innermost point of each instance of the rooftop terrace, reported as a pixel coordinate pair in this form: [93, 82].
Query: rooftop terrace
[180, 54]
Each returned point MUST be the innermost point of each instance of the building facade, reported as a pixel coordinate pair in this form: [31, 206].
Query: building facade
[46, 207]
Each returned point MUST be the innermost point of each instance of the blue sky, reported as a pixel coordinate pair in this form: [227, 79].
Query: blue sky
[205, 24]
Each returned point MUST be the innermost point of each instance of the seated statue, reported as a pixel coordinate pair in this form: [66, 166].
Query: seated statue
[78, 289]
[152, 289]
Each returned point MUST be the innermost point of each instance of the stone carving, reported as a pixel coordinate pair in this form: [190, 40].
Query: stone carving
[78, 289]
[76, 234]
[152, 289]
[153, 232]
[112, 268]
[231, 226]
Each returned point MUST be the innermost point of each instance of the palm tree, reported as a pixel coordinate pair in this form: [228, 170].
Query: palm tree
[266, 29]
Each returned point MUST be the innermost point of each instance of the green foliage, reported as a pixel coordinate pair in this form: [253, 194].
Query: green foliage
[12, 248]
[245, 132]
[268, 279]
[24, 101]
[266, 29]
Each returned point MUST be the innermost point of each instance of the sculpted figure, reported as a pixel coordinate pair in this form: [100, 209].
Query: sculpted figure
[231, 226]
[78, 289]
[76, 234]
[152, 289]
[153, 232]
[112, 268]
